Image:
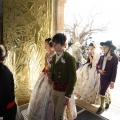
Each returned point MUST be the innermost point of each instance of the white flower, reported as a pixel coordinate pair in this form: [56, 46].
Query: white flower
[109, 57]
[62, 60]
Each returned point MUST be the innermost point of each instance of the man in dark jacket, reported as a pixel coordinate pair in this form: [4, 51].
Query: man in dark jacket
[8, 107]
[107, 67]
[63, 71]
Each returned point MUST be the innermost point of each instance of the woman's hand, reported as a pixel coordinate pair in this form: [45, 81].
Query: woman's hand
[49, 74]
[49, 81]
[101, 72]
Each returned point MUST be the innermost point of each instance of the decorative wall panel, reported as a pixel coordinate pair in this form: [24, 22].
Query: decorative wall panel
[26, 25]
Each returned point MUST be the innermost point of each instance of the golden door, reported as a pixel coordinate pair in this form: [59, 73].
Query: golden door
[26, 24]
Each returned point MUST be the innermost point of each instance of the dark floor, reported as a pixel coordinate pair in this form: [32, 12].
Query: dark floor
[87, 115]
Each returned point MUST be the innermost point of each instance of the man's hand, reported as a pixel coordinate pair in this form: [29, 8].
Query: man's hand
[65, 101]
[101, 72]
[111, 85]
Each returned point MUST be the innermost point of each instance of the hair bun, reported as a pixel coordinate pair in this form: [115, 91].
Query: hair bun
[92, 44]
[51, 41]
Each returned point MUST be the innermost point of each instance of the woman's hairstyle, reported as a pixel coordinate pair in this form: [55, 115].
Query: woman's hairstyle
[88, 61]
[91, 44]
[59, 38]
[50, 42]
[3, 53]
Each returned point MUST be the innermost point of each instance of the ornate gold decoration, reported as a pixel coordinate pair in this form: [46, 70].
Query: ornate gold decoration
[26, 25]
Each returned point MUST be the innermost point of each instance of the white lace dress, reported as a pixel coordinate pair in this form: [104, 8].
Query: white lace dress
[40, 106]
[88, 85]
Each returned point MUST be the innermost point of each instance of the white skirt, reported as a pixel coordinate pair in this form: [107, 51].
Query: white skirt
[88, 84]
[40, 106]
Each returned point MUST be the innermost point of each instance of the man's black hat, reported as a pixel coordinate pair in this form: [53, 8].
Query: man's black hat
[109, 44]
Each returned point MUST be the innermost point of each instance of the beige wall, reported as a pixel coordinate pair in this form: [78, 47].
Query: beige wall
[58, 15]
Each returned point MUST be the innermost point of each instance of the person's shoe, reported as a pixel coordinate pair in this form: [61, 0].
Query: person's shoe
[107, 106]
[100, 110]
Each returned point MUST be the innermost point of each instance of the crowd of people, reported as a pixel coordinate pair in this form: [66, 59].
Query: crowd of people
[63, 77]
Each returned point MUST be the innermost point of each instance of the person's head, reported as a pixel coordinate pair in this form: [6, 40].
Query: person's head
[91, 48]
[107, 47]
[48, 44]
[3, 53]
[59, 42]
[69, 43]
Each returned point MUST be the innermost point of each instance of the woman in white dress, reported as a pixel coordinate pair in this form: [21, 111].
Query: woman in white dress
[87, 85]
[40, 106]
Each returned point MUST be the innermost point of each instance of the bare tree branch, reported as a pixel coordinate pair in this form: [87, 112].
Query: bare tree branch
[79, 32]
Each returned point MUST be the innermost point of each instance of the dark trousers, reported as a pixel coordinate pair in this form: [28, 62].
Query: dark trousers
[104, 84]
[10, 114]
